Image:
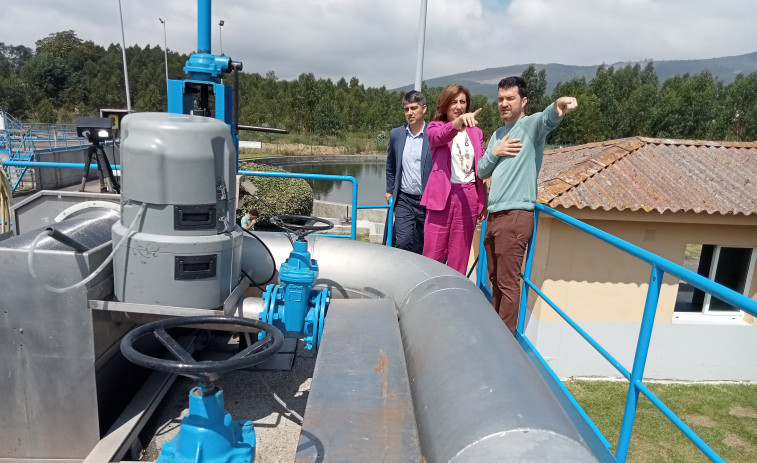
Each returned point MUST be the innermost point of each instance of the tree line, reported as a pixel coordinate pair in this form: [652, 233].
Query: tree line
[65, 77]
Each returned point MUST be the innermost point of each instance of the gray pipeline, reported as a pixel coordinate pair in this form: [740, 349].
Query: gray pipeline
[477, 397]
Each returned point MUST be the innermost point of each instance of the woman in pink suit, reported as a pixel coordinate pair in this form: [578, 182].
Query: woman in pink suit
[454, 194]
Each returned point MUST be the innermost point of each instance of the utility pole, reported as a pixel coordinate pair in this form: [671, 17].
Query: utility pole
[123, 51]
[165, 48]
[421, 46]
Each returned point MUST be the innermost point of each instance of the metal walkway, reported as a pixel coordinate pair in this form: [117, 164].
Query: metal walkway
[21, 141]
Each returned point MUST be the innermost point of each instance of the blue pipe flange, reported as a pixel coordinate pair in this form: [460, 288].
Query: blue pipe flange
[270, 298]
[308, 329]
[315, 318]
[325, 299]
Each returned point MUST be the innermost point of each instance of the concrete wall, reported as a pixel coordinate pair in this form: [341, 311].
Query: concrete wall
[344, 211]
[604, 290]
[53, 178]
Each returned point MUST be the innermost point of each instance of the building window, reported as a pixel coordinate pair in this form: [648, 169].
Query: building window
[730, 266]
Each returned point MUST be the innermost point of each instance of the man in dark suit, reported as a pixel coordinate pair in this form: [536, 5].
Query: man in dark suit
[408, 165]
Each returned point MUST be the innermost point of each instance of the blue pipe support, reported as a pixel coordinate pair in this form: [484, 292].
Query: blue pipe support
[208, 433]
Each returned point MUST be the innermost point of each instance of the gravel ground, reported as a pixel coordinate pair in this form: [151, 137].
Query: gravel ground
[245, 397]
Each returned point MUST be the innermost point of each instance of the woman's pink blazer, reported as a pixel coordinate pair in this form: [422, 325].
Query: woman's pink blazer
[440, 136]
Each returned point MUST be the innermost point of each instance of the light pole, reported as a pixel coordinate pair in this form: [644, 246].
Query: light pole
[421, 46]
[220, 35]
[123, 51]
[165, 48]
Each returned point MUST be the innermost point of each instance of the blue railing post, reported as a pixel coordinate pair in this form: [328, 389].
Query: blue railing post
[639, 362]
[527, 275]
[481, 272]
[390, 222]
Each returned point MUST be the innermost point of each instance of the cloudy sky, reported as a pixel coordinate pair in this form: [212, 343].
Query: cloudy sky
[376, 40]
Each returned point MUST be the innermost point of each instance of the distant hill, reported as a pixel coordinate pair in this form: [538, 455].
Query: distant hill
[484, 82]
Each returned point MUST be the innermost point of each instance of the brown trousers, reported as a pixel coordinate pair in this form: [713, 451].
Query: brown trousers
[506, 239]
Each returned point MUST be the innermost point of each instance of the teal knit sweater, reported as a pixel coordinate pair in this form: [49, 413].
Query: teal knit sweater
[513, 184]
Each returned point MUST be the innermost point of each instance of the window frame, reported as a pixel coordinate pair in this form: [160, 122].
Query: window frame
[708, 316]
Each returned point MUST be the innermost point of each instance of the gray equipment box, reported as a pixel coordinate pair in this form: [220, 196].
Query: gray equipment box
[185, 250]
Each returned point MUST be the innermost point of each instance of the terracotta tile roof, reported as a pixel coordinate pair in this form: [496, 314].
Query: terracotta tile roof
[653, 174]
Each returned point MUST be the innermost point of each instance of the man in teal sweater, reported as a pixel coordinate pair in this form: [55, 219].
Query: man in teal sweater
[513, 191]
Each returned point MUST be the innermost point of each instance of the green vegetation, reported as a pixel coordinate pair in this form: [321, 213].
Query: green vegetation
[723, 415]
[693, 251]
[66, 77]
[282, 195]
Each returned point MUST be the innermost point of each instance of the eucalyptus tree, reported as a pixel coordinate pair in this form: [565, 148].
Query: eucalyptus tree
[738, 115]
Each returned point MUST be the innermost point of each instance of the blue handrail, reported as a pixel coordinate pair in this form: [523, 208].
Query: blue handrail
[348, 178]
[389, 222]
[660, 266]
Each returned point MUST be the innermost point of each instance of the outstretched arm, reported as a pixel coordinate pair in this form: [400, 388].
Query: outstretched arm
[466, 120]
[565, 105]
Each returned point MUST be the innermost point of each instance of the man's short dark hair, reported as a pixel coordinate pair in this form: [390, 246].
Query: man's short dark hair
[254, 212]
[414, 96]
[515, 81]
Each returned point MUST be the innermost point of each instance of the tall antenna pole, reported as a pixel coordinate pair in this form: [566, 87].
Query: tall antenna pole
[123, 51]
[421, 46]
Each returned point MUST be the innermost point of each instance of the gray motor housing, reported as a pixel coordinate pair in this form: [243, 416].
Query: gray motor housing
[186, 251]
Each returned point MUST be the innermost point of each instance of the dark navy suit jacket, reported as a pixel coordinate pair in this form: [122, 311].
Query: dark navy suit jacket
[397, 138]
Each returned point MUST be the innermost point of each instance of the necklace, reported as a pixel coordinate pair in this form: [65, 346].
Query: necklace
[464, 155]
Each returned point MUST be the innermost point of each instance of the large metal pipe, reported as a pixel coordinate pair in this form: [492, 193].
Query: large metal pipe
[477, 397]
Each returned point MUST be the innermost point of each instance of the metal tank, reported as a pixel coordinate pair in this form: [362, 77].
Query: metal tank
[185, 250]
[56, 355]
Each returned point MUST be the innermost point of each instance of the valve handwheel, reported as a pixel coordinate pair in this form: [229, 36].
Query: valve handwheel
[301, 225]
[185, 364]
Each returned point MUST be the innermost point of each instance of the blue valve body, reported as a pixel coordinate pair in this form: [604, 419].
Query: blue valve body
[208, 434]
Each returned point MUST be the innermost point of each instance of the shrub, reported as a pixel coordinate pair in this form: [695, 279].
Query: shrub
[275, 196]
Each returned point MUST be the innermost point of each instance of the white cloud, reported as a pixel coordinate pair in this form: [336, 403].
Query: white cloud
[376, 41]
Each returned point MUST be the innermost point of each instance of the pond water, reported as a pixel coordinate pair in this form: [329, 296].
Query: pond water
[370, 175]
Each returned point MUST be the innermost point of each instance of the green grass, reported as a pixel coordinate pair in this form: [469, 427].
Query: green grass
[347, 143]
[723, 415]
[693, 251]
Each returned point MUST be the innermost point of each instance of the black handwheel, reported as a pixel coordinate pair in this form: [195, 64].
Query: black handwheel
[185, 364]
[301, 225]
